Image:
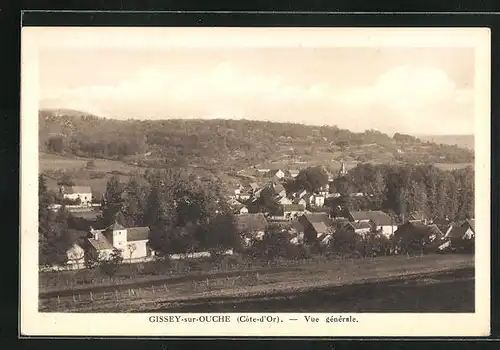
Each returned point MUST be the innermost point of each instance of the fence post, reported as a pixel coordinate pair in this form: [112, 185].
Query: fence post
[91, 297]
[165, 286]
[74, 300]
[153, 288]
[58, 300]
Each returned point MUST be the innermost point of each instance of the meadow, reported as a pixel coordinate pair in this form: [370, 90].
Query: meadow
[162, 293]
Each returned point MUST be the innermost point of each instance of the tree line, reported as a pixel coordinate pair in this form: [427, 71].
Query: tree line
[216, 142]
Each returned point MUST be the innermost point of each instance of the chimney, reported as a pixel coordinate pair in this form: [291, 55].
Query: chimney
[95, 233]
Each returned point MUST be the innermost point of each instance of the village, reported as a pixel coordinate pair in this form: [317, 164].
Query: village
[306, 218]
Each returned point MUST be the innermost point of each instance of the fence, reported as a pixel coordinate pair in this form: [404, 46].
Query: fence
[151, 292]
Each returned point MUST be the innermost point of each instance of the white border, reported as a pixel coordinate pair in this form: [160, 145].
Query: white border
[34, 323]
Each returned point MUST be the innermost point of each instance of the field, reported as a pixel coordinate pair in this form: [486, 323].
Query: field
[266, 287]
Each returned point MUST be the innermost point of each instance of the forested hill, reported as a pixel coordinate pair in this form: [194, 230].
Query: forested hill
[228, 144]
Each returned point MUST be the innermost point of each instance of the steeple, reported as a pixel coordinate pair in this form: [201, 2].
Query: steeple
[342, 171]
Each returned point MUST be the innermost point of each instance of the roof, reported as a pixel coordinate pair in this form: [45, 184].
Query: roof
[458, 230]
[115, 226]
[297, 200]
[101, 243]
[358, 225]
[319, 227]
[420, 227]
[472, 224]
[377, 216]
[137, 234]
[254, 185]
[77, 189]
[293, 171]
[251, 222]
[278, 188]
[293, 207]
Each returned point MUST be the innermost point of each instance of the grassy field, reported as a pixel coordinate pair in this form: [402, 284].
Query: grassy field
[161, 294]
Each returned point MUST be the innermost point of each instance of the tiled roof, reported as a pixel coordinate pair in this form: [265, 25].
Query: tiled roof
[320, 227]
[459, 230]
[358, 225]
[251, 222]
[378, 217]
[101, 243]
[137, 234]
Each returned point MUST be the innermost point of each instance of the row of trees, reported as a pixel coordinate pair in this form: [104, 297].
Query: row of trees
[407, 188]
[184, 212]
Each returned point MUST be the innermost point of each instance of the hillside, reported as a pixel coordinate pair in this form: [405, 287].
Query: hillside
[230, 145]
[464, 141]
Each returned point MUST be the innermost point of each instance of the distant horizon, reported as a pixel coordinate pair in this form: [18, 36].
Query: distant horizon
[244, 119]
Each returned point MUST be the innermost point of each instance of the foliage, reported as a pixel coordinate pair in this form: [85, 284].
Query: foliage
[224, 143]
[110, 265]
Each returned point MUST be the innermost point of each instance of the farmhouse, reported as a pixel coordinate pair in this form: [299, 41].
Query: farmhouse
[131, 241]
[316, 226]
[360, 228]
[283, 200]
[415, 234]
[75, 193]
[461, 236]
[241, 209]
[278, 173]
[251, 226]
[378, 219]
[292, 210]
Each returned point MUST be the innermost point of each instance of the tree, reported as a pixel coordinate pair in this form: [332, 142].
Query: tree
[112, 201]
[311, 179]
[66, 180]
[110, 266]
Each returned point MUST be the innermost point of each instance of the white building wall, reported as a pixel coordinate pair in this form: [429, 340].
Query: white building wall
[388, 230]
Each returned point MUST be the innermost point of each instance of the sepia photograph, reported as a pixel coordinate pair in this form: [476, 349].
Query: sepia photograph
[218, 171]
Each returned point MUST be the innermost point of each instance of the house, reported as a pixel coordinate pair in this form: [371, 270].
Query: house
[292, 210]
[283, 200]
[300, 201]
[254, 186]
[263, 172]
[379, 220]
[444, 224]
[293, 173]
[131, 241]
[279, 189]
[251, 226]
[316, 226]
[418, 215]
[242, 209]
[318, 200]
[462, 235]
[278, 173]
[360, 228]
[301, 194]
[75, 193]
[415, 235]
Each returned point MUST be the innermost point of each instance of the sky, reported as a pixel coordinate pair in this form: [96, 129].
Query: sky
[392, 88]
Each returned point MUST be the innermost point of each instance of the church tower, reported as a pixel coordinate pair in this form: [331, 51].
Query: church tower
[342, 171]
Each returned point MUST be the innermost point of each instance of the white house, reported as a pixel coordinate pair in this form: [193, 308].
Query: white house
[84, 193]
[318, 200]
[131, 241]
[284, 200]
[277, 173]
[378, 219]
[293, 173]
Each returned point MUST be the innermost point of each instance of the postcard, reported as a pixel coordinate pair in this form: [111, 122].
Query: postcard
[210, 181]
